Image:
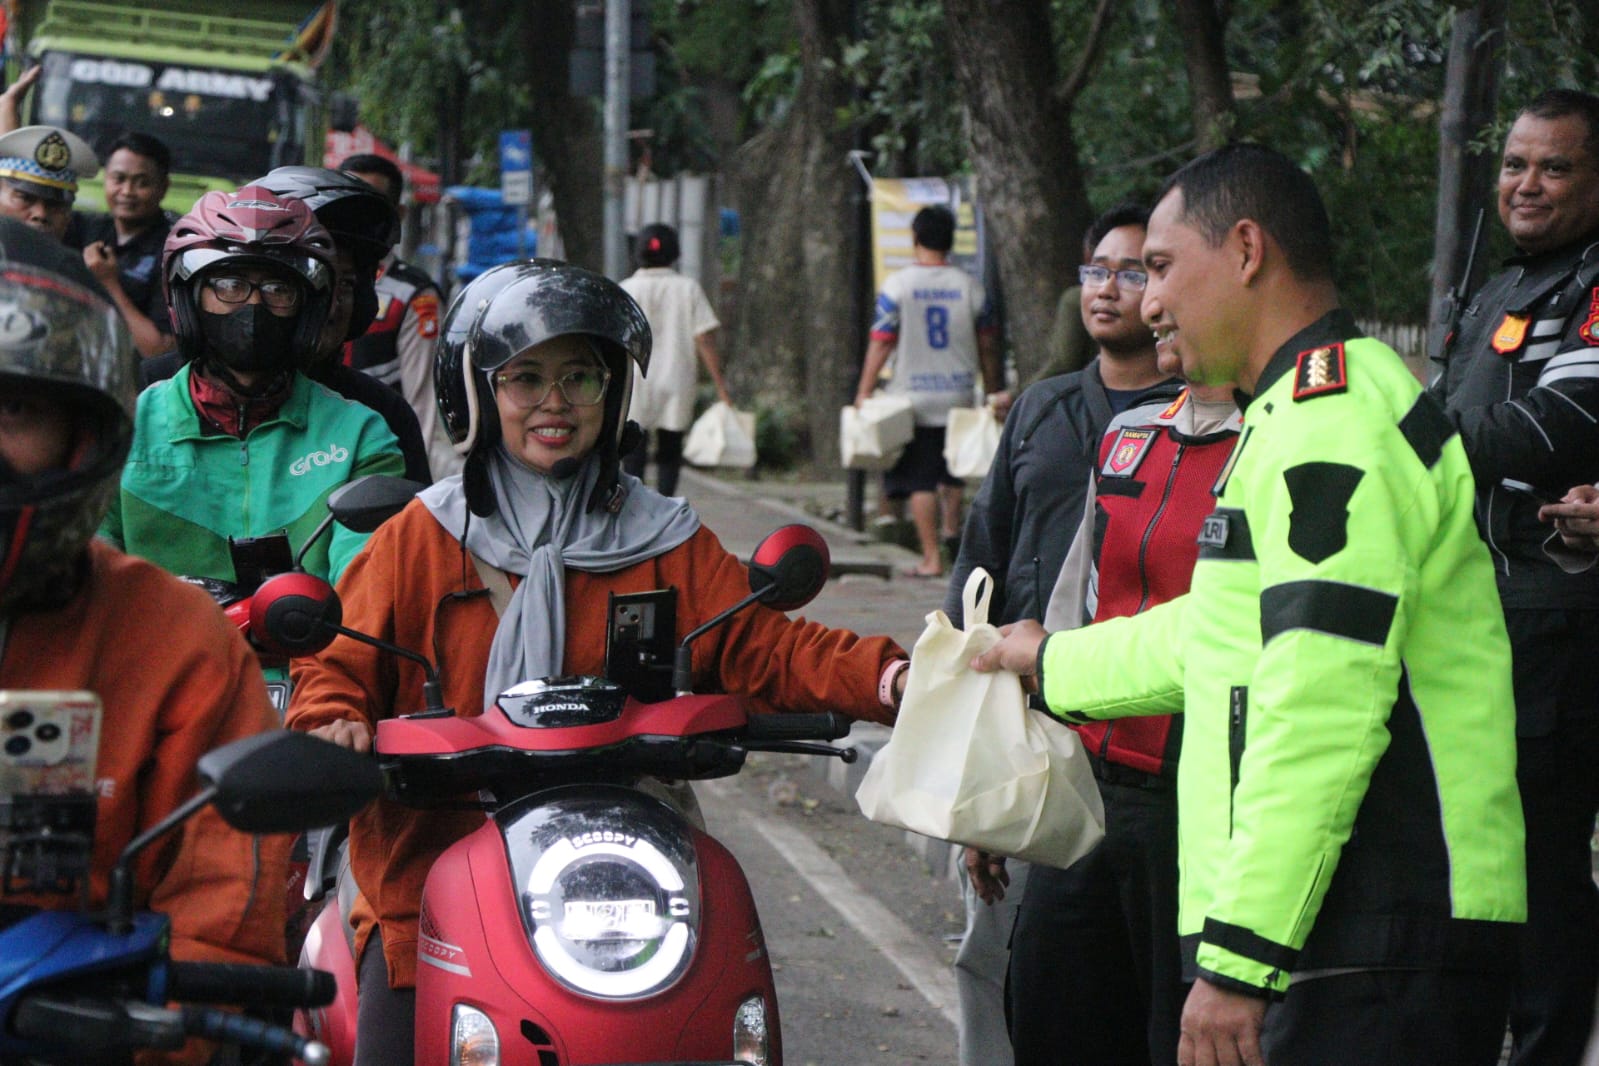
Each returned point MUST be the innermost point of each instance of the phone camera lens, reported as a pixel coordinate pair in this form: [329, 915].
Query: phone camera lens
[48, 732]
[18, 745]
[19, 719]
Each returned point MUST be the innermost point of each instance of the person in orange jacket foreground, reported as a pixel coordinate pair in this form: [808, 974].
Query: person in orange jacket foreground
[71, 608]
[534, 370]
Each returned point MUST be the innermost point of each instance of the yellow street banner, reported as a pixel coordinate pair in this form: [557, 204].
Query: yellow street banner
[895, 202]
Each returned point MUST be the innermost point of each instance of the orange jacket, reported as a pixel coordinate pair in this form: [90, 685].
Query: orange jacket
[175, 681]
[396, 589]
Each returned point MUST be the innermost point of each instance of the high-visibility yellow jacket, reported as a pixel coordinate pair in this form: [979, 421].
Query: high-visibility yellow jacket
[1346, 792]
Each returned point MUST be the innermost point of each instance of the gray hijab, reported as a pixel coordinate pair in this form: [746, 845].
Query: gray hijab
[541, 527]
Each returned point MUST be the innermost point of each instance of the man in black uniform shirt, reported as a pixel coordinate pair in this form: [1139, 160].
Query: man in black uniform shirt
[122, 248]
[1520, 379]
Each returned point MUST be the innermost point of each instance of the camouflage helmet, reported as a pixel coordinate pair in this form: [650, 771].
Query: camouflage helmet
[61, 337]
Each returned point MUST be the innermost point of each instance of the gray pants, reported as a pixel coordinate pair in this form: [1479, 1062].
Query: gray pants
[980, 967]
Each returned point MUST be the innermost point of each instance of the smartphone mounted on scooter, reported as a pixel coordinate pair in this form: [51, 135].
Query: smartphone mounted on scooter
[639, 642]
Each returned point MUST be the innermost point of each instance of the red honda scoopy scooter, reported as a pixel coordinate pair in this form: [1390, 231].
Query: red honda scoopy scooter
[588, 920]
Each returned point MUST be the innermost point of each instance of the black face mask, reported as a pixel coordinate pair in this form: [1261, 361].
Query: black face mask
[251, 339]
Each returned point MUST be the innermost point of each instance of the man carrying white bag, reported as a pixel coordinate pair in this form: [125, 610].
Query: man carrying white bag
[722, 436]
[969, 762]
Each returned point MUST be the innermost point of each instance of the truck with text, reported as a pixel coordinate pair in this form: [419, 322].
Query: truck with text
[229, 85]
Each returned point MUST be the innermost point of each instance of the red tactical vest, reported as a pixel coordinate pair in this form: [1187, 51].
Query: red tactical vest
[1153, 490]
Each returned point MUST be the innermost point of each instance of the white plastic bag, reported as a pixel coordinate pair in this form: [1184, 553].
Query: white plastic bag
[872, 436]
[968, 761]
[971, 439]
[721, 436]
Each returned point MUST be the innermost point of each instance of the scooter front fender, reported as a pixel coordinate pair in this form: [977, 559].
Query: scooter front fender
[474, 950]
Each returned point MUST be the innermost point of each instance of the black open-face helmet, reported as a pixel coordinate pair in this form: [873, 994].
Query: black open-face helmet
[59, 334]
[361, 220]
[509, 309]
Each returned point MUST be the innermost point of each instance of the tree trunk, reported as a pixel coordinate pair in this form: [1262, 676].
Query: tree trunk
[1465, 178]
[792, 182]
[1028, 176]
[566, 132]
[1202, 24]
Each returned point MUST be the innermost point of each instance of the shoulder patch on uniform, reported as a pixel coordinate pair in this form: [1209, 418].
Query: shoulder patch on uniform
[1176, 405]
[1129, 449]
[1511, 332]
[1319, 371]
[1318, 525]
[426, 306]
[1589, 330]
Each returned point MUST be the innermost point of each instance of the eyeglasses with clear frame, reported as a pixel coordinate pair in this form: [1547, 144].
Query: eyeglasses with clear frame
[527, 389]
[232, 289]
[1127, 278]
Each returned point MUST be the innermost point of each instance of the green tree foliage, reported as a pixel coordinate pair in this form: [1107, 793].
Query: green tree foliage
[1347, 87]
[443, 83]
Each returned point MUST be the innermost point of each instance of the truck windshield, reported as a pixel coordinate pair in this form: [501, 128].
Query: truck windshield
[220, 123]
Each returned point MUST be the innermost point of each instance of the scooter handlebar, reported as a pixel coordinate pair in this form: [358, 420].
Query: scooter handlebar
[781, 727]
[263, 986]
[228, 1028]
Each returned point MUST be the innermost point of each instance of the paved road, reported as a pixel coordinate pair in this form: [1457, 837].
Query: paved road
[862, 920]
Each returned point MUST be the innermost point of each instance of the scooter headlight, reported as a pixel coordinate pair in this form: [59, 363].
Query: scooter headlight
[609, 891]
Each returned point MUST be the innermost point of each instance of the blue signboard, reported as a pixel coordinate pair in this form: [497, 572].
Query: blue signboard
[516, 167]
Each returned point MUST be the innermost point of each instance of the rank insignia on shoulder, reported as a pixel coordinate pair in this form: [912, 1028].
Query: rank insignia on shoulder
[1176, 405]
[1319, 371]
[1127, 452]
[1511, 332]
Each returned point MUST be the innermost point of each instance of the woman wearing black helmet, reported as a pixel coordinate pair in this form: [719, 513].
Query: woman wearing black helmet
[240, 443]
[72, 611]
[534, 376]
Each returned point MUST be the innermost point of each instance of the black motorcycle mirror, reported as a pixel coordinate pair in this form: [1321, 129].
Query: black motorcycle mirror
[362, 505]
[259, 786]
[787, 570]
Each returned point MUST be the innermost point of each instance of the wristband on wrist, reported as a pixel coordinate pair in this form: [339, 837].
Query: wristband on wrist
[885, 683]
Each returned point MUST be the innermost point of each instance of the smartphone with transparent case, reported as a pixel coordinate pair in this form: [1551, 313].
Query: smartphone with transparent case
[49, 744]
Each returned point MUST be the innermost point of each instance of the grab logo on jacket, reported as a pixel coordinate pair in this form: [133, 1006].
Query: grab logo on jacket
[334, 454]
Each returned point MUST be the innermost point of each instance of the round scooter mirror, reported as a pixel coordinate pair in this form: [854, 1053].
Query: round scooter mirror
[368, 502]
[295, 614]
[789, 567]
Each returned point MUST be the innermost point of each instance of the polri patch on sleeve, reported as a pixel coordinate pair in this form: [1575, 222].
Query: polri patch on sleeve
[1319, 371]
[1127, 452]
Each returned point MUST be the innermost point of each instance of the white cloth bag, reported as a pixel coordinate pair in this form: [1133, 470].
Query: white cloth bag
[968, 761]
[721, 436]
[971, 439]
[872, 436]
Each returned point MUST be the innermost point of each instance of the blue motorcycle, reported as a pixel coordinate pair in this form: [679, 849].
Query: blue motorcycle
[87, 988]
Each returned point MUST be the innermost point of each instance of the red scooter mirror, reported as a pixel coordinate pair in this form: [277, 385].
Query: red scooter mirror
[295, 614]
[792, 562]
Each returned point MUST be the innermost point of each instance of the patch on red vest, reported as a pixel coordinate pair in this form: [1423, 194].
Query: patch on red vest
[1127, 452]
[1319, 371]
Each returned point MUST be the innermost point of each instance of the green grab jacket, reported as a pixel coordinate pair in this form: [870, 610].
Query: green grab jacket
[1347, 789]
[185, 492]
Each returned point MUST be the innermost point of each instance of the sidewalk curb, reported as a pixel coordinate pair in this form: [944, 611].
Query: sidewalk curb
[867, 555]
